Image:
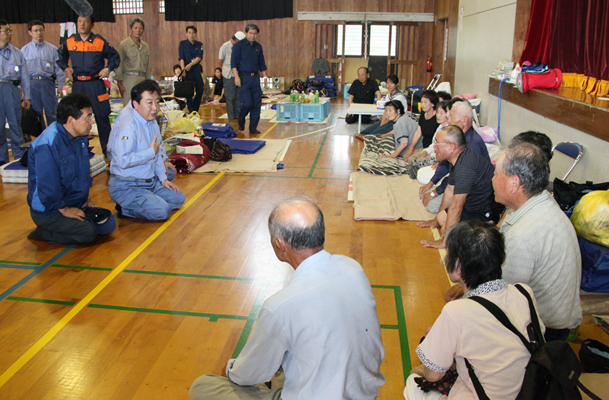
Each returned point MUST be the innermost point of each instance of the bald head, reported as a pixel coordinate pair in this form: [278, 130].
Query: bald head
[299, 222]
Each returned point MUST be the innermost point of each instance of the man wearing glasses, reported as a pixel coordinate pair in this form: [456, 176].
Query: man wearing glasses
[59, 175]
[13, 73]
[41, 58]
[469, 191]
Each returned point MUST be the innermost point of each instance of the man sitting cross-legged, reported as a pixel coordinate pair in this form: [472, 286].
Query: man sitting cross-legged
[322, 328]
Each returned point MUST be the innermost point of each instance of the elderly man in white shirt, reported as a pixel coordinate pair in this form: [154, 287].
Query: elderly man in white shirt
[322, 328]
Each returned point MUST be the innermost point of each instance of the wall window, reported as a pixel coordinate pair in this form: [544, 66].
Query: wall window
[161, 6]
[353, 40]
[361, 42]
[128, 6]
[379, 40]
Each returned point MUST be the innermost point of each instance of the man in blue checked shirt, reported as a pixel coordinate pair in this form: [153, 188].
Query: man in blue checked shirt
[247, 61]
[13, 73]
[138, 178]
[41, 58]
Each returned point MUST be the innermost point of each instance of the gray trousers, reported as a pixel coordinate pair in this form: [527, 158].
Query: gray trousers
[214, 387]
[233, 104]
[55, 228]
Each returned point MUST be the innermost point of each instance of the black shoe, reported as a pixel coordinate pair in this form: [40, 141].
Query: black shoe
[36, 234]
[256, 131]
[119, 211]
[240, 129]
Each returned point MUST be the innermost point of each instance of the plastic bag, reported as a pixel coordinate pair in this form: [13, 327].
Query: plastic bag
[185, 124]
[591, 217]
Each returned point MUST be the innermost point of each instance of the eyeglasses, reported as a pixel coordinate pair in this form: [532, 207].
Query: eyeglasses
[89, 118]
[439, 143]
[6, 30]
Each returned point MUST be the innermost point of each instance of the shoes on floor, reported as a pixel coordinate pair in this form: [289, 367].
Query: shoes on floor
[256, 131]
[36, 234]
[119, 211]
[240, 129]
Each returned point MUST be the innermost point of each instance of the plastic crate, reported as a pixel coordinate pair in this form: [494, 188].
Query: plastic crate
[315, 112]
[287, 111]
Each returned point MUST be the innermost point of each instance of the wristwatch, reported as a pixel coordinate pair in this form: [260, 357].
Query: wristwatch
[432, 194]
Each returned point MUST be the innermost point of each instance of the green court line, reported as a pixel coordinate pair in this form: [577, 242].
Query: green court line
[403, 333]
[318, 154]
[44, 301]
[250, 320]
[212, 317]
[80, 267]
[229, 278]
[20, 263]
[253, 316]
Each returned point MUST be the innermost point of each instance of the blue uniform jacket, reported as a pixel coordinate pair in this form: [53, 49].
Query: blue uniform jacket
[248, 57]
[88, 56]
[58, 170]
[189, 51]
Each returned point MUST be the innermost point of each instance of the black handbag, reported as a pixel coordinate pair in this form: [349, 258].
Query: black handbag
[184, 87]
[596, 360]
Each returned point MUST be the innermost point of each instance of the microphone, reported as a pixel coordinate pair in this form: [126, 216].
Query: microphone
[81, 7]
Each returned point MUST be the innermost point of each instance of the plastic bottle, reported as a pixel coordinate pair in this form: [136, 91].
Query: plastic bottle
[317, 97]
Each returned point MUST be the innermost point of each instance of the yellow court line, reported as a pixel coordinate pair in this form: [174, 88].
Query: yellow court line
[437, 236]
[268, 130]
[8, 374]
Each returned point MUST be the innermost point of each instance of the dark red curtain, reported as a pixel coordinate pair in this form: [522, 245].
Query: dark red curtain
[572, 35]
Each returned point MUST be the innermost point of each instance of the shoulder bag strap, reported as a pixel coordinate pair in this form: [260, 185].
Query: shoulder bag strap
[500, 315]
[477, 385]
[534, 316]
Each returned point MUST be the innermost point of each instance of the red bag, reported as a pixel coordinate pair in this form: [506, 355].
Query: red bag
[550, 79]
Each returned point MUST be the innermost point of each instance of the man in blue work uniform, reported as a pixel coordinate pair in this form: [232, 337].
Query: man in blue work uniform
[190, 54]
[125, 113]
[138, 178]
[41, 58]
[13, 72]
[247, 60]
[88, 51]
[59, 176]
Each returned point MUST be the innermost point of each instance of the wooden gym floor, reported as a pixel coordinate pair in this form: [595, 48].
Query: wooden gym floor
[144, 311]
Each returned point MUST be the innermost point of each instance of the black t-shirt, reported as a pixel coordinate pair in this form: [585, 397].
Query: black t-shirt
[219, 82]
[472, 174]
[365, 94]
[428, 129]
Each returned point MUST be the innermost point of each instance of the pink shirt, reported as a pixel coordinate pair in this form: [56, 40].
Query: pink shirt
[465, 329]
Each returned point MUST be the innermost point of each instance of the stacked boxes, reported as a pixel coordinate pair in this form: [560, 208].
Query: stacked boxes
[303, 112]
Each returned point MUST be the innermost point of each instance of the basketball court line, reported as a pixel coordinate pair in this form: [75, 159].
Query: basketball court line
[32, 351]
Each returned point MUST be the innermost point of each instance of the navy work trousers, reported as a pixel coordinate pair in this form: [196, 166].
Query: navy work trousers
[97, 92]
[250, 95]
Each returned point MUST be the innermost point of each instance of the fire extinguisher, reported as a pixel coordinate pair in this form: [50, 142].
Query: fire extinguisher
[428, 64]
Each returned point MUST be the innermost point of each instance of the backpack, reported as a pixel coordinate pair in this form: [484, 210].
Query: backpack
[31, 123]
[553, 370]
[219, 150]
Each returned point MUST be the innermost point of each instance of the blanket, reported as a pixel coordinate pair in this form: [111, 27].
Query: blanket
[187, 163]
[371, 162]
[387, 198]
[241, 146]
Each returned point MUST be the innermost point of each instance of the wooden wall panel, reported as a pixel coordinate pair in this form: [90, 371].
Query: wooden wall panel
[289, 44]
[523, 12]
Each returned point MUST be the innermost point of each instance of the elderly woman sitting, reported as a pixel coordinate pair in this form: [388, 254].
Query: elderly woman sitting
[466, 330]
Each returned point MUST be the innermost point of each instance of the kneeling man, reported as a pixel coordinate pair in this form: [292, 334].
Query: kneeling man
[322, 328]
[138, 178]
[59, 176]
[469, 193]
